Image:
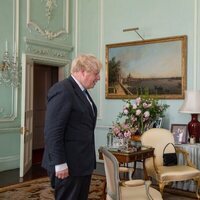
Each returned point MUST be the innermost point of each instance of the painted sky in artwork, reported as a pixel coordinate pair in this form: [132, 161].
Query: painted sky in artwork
[158, 60]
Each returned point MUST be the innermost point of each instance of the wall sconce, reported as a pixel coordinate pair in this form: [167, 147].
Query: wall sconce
[9, 74]
[191, 105]
[133, 29]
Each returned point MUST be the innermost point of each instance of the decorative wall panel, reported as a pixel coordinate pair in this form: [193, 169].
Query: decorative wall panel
[43, 17]
[8, 101]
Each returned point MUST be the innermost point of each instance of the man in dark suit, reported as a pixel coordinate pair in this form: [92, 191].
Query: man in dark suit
[69, 156]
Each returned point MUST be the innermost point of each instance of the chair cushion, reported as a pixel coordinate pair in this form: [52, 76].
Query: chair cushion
[138, 193]
[136, 182]
[177, 172]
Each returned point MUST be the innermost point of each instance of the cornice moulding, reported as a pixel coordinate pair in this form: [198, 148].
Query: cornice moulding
[49, 60]
[52, 45]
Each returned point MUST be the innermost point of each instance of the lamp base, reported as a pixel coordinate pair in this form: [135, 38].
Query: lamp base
[194, 127]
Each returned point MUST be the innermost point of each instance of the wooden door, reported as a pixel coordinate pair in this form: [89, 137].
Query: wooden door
[44, 77]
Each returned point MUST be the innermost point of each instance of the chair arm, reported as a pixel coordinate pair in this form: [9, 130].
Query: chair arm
[185, 155]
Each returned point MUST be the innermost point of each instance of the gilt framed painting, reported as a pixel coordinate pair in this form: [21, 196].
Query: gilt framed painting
[156, 67]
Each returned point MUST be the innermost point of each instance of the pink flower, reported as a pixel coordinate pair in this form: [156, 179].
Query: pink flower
[145, 105]
[125, 111]
[127, 134]
[138, 100]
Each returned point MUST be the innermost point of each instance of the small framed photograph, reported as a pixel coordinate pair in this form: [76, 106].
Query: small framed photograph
[179, 132]
[157, 123]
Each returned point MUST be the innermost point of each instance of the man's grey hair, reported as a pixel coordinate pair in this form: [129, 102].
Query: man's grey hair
[86, 62]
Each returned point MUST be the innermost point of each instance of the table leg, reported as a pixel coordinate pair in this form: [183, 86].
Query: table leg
[145, 171]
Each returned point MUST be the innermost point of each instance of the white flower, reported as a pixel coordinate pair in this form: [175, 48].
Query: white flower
[138, 112]
[149, 105]
[125, 111]
[146, 114]
[134, 106]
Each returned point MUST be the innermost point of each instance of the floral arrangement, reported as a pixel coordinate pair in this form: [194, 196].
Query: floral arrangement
[138, 116]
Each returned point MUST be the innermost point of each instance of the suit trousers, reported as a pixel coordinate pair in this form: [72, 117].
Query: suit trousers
[71, 188]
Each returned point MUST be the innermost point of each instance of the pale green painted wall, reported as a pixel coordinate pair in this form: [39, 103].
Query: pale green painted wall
[97, 23]
[155, 19]
[55, 47]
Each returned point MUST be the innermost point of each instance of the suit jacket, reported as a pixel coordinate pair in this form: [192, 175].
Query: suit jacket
[69, 129]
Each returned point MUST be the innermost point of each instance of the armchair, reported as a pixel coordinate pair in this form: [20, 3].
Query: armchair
[158, 138]
[131, 189]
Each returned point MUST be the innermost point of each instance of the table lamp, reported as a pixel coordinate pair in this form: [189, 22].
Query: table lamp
[191, 105]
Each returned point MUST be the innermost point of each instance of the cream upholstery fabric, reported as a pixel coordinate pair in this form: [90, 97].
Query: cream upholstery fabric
[138, 193]
[132, 189]
[158, 138]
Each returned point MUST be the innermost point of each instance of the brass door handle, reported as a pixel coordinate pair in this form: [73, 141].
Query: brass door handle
[24, 130]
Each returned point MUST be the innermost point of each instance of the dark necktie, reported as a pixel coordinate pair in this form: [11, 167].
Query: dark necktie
[89, 99]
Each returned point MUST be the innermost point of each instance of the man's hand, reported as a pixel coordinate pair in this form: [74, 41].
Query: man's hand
[62, 174]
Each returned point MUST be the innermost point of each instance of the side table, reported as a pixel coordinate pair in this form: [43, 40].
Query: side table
[139, 155]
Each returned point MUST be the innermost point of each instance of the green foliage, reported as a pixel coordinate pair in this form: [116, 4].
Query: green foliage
[113, 70]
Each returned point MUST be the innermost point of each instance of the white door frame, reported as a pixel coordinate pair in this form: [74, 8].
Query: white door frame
[26, 137]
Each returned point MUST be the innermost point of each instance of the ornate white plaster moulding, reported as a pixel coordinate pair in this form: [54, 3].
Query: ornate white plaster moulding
[48, 33]
[50, 5]
[10, 116]
[52, 49]
[6, 116]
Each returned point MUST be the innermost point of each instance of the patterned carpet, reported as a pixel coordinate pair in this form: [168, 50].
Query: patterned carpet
[40, 189]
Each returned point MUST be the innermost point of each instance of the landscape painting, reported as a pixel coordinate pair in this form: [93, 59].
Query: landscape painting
[155, 67]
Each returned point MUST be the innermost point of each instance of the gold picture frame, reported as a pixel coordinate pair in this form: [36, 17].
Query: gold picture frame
[156, 67]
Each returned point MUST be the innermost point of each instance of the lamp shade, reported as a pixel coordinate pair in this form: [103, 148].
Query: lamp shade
[191, 103]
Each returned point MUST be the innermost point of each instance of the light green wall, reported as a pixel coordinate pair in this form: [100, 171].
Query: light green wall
[35, 43]
[155, 19]
[93, 24]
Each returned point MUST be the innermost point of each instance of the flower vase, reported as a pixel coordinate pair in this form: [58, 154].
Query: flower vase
[126, 144]
[136, 138]
[118, 142]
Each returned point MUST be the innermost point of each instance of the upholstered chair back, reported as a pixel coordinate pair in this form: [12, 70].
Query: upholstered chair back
[112, 175]
[157, 138]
